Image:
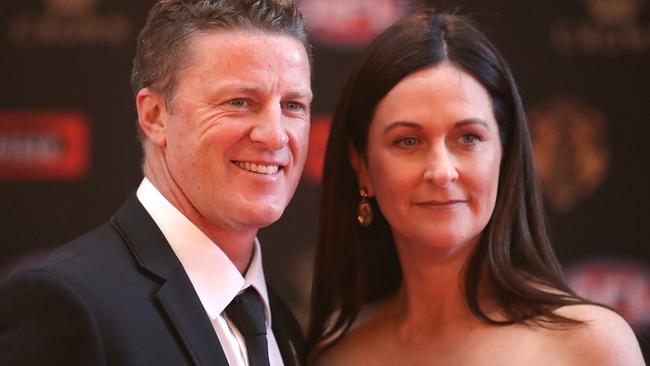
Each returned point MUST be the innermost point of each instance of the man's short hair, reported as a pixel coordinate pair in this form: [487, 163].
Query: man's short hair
[163, 41]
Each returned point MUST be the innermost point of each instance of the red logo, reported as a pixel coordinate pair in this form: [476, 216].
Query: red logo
[624, 286]
[43, 145]
[350, 22]
[318, 134]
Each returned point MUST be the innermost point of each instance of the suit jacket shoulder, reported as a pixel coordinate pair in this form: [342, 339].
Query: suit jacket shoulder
[115, 296]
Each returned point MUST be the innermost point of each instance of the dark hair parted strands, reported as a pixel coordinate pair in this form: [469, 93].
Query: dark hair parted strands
[355, 265]
[163, 41]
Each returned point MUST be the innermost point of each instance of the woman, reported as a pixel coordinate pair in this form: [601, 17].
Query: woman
[432, 244]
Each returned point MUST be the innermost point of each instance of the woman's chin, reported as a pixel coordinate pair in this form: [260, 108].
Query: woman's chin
[449, 242]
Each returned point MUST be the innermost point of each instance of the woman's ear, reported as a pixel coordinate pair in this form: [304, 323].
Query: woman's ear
[152, 116]
[360, 167]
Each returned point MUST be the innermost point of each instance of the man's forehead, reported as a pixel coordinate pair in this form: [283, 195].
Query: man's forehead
[232, 48]
[256, 50]
[243, 59]
[240, 38]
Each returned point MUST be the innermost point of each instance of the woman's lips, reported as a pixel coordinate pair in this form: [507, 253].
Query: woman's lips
[442, 204]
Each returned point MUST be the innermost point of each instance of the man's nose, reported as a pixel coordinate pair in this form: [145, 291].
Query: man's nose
[441, 168]
[269, 128]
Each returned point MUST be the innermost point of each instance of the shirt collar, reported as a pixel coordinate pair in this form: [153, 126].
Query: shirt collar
[215, 278]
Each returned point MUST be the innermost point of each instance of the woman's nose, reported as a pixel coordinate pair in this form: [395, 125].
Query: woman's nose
[441, 168]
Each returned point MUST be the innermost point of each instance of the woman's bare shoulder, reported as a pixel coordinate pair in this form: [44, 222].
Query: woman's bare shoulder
[604, 338]
[342, 353]
[354, 346]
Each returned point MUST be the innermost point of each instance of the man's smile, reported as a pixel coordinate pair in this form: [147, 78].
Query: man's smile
[257, 168]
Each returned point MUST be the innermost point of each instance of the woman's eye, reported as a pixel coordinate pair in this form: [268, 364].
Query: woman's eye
[409, 141]
[471, 139]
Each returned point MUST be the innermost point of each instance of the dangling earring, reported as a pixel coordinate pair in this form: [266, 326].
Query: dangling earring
[364, 212]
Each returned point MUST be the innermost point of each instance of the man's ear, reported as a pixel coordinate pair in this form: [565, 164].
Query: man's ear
[152, 116]
[359, 165]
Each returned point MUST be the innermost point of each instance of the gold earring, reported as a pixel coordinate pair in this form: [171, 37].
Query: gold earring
[364, 212]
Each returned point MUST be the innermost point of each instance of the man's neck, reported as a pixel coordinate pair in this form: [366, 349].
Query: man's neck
[238, 245]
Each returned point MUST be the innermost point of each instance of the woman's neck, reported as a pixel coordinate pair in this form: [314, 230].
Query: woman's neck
[432, 295]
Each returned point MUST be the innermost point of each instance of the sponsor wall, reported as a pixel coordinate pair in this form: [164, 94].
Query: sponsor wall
[69, 155]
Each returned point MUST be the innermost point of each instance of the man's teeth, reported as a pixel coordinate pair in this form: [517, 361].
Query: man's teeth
[258, 168]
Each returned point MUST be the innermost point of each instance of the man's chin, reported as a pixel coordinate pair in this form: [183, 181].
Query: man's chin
[262, 217]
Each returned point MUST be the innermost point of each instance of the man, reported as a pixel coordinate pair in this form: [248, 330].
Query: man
[223, 94]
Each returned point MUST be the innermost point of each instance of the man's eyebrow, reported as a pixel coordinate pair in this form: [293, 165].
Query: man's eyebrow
[254, 90]
[401, 124]
[247, 89]
[226, 88]
[300, 95]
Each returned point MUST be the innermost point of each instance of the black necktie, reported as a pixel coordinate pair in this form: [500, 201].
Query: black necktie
[247, 312]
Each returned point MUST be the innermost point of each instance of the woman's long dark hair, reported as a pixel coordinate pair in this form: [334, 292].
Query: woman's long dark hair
[355, 265]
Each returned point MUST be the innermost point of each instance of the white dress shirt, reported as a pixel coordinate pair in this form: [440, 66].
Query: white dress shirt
[215, 278]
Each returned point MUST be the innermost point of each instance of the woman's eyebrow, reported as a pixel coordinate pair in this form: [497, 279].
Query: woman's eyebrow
[401, 124]
[461, 123]
[472, 121]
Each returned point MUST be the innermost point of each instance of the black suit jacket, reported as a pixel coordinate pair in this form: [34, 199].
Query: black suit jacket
[117, 296]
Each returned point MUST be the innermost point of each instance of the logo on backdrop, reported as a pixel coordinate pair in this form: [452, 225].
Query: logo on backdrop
[68, 23]
[43, 145]
[318, 134]
[613, 28]
[623, 285]
[571, 150]
[350, 23]
[74, 8]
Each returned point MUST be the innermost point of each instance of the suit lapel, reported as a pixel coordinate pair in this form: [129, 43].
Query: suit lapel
[286, 331]
[185, 311]
[287, 347]
[176, 295]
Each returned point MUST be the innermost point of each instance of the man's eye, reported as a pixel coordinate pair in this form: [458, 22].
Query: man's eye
[294, 106]
[238, 102]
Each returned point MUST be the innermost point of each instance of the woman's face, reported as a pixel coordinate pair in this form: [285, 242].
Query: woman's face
[433, 158]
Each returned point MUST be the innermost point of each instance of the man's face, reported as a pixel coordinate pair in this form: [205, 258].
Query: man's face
[237, 127]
